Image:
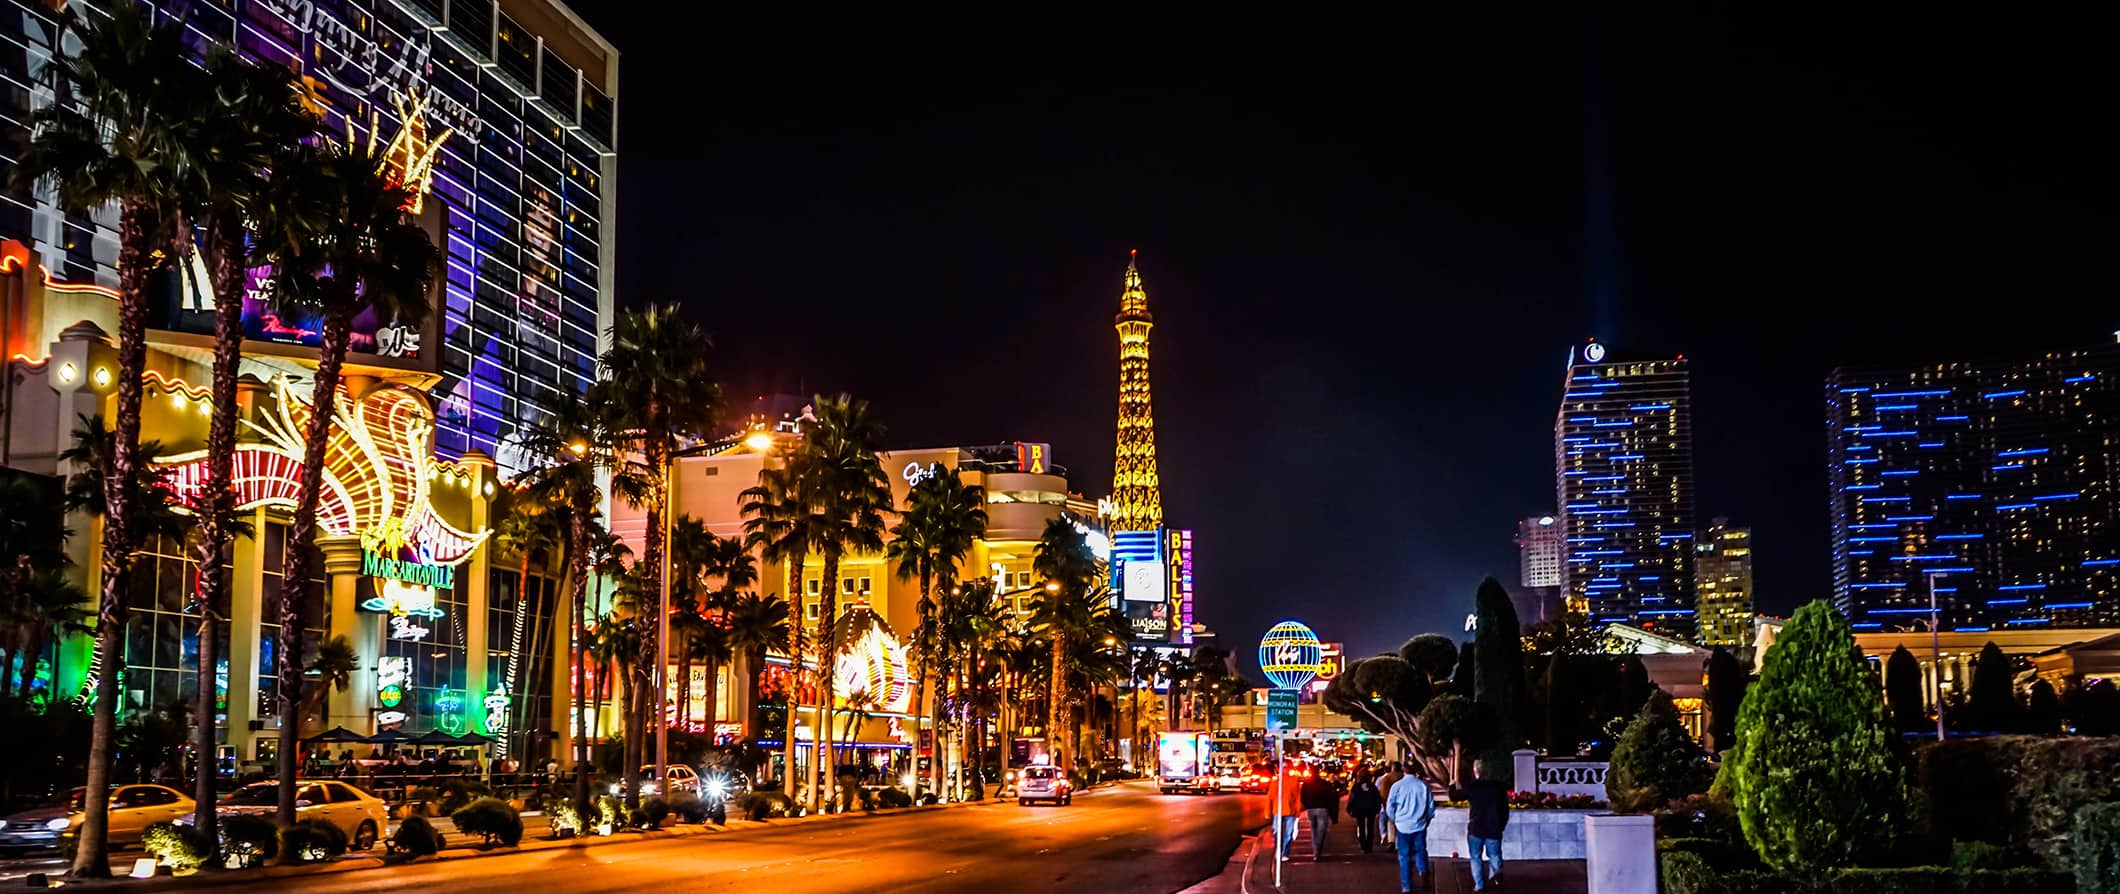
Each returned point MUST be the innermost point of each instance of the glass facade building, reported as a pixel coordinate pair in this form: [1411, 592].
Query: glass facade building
[525, 93]
[1996, 480]
[1623, 452]
[1722, 574]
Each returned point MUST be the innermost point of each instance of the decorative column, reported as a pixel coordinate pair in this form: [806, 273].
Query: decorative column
[564, 617]
[473, 578]
[245, 613]
[351, 707]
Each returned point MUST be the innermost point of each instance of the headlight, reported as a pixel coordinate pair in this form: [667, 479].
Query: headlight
[59, 823]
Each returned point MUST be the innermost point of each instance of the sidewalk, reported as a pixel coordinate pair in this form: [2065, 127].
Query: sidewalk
[1344, 869]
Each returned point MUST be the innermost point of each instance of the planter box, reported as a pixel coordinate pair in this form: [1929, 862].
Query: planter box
[1530, 835]
[1622, 853]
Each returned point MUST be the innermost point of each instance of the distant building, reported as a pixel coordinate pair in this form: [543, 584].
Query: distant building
[2000, 481]
[1722, 575]
[1539, 541]
[1623, 451]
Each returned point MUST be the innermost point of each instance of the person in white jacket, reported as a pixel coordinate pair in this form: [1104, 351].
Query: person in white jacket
[1409, 806]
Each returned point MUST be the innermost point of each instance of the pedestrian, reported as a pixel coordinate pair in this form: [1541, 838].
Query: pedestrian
[1364, 802]
[1410, 806]
[1392, 774]
[1487, 804]
[1288, 791]
[1321, 800]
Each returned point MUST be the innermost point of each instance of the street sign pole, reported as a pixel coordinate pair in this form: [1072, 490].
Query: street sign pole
[1289, 654]
[1279, 774]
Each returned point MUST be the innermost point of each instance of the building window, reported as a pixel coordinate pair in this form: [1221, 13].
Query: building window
[809, 610]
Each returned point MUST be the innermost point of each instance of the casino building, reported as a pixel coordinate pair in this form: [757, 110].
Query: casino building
[513, 103]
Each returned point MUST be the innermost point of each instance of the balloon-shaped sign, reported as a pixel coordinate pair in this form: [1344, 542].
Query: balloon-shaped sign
[1290, 654]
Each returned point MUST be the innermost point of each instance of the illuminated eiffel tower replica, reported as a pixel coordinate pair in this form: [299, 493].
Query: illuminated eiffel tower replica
[1137, 492]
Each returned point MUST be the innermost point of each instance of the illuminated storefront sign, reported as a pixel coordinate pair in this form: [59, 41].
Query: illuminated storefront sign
[375, 564]
[1033, 458]
[497, 718]
[1179, 545]
[875, 664]
[392, 675]
[449, 712]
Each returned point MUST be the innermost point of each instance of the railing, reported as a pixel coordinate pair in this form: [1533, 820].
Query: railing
[1561, 776]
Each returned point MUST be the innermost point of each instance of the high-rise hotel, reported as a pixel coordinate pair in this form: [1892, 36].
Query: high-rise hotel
[1623, 451]
[1995, 480]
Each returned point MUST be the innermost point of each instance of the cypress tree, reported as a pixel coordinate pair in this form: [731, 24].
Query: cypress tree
[1903, 684]
[1656, 761]
[1814, 775]
[1498, 675]
[1726, 691]
[1994, 705]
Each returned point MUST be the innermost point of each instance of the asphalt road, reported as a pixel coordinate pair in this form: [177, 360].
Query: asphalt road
[1122, 839]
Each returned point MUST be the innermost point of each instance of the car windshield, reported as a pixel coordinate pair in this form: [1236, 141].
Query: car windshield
[256, 796]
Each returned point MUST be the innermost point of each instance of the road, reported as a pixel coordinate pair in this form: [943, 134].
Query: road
[1122, 839]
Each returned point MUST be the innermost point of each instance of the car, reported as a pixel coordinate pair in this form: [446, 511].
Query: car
[1044, 783]
[680, 778]
[360, 815]
[132, 809]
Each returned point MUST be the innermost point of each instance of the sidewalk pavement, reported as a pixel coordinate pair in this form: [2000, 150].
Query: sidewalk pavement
[1344, 869]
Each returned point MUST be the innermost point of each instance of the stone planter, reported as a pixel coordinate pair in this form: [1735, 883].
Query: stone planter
[1530, 835]
[1622, 853]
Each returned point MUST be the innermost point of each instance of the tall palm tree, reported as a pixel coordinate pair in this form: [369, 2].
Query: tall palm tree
[569, 453]
[528, 529]
[32, 534]
[120, 132]
[943, 518]
[340, 239]
[756, 625]
[1062, 557]
[253, 115]
[845, 478]
[666, 394]
[709, 644]
[47, 608]
[780, 524]
[330, 671]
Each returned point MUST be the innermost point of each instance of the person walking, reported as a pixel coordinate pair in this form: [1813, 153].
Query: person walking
[1289, 792]
[1364, 802]
[1321, 801]
[1392, 774]
[1410, 806]
[1487, 807]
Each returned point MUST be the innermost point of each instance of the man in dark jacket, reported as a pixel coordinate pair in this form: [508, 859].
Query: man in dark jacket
[1321, 800]
[1487, 803]
[1364, 802]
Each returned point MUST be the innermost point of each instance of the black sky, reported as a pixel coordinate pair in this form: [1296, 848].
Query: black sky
[1369, 240]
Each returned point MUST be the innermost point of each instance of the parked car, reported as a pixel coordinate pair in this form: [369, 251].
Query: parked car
[359, 814]
[132, 809]
[680, 778]
[1044, 783]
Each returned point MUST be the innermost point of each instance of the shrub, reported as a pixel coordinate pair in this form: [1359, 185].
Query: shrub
[1700, 816]
[652, 813]
[764, 805]
[455, 793]
[1655, 761]
[1968, 855]
[1813, 775]
[1551, 801]
[416, 837]
[2021, 792]
[563, 820]
[1719, 853]
[893, 797]
[2097, 835]
[248, 840]
[312, 841]
[1685, 872]
[607, 811]
[688, 807]
[1940, 880]
[182, 848]
[492, 819]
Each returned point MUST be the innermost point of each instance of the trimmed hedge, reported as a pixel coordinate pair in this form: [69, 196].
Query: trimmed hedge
[688, 807]
[893, 797]
[764, 805]
[491, 818]
[249, 840]
[2097, 834]
[312, 841]
[416, 837]
[1684, 872]
[654, 810]
[179, 846]
[2020, 792]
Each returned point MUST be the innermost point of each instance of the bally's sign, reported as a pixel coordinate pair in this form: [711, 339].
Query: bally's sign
[375, 564]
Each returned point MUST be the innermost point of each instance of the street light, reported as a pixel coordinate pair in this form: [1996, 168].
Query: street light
[759, 441]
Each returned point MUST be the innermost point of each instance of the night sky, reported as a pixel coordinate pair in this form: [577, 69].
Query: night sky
[1369, 244]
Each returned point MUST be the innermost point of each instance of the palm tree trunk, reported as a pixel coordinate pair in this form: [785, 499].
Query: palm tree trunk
[795, 599]
[1056, 694]
[225, 249]
[515, 646]
[654, 600]
[577, 578]
[33, 652]
[827, 670]
[709, 696]
[301, 534]
[920, 672]
[91, 858]
[683, 648]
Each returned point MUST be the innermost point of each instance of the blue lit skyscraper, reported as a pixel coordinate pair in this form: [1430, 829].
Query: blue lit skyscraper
[1997, 478]
[1623, 452]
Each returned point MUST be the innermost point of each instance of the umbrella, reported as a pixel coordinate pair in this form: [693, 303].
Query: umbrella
[473, 739]
[387, 737]
[337, 734]
[434, 737]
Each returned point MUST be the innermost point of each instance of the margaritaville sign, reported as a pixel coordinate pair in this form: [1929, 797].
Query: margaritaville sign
[375, 564]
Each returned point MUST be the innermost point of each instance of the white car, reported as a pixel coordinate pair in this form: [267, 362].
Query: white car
[132, 809]
[1043, 783]
[680, 778]
[360, 815]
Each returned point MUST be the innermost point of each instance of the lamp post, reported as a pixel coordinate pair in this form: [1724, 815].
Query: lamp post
[1936, 653]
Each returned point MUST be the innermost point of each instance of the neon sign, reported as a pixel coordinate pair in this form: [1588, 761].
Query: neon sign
[914, 473]
[875, 664]
[392, 675]
[406, 605]
[497, 718]
[449, 712]
[375, 564]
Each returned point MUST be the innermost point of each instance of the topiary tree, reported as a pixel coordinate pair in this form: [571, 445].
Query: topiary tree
[1726, 693]
[1903, 683]
[1498, 676]
[416, 837]
[1433, 654]
[1655, 761]
[1455, 726]
[2042, 709]
[1386, 694]
[1994, 701]
[1814, 776]
[492, 819]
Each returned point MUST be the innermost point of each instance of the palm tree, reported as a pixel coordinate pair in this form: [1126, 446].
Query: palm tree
[528, 528]
[121, 132]
[1178, 674]
[1062, 558]
[660, 360]
[756, 625]
[331, 670]
[780, 525]
[252, 116]
[850, 492]
[340, 238]
[943, 518]
[709, 644]
[32, 532]
[47, 608]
